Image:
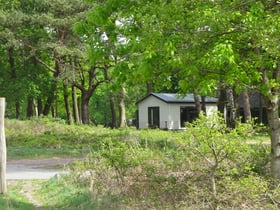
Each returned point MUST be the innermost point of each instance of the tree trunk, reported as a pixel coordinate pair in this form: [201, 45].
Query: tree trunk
[246, 105]
[232, 109]
[55, 114]
[14, 77]
[113, 112]
[40, 106]
[149, 88]
[67, 104]
[203, 104]
[75, 105]
[274, 126]
[48, 105]
[18, 114]
[35, 108]
[3, 149]
[85, 109]
[222, 99]
[79, 100]
[29, 109]
[272, 108]
[197, 103]
[122, 109]
[51, 96]
[261, 119]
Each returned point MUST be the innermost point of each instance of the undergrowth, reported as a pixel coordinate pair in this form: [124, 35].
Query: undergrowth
[205, 167]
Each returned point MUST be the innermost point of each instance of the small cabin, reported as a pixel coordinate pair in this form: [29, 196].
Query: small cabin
[169, 111]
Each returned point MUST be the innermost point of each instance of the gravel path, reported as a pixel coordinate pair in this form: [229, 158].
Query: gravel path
[22, 172]
[37, 169]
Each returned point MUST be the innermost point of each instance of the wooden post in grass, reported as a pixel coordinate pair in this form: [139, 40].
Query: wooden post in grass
[3, 149]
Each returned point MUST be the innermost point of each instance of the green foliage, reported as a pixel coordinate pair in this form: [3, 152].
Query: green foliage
[167, 169]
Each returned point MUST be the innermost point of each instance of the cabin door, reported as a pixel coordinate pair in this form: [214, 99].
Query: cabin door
[153, 117]
[188, 114]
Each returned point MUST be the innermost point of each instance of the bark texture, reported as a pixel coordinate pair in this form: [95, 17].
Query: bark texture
[85, 110]
[122, 109]
[197, 103]
[274, 125]
[67, 104]
[246, 105]
[113, 112]
[75, 105]
[222, 99]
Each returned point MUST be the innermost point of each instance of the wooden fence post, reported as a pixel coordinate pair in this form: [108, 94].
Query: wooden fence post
[3, 151]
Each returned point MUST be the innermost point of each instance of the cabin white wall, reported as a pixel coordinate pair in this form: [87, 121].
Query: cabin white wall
[151, 101]
[210, 108]
[172, 118]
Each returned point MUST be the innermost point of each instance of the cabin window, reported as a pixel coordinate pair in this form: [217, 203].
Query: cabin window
[153, 117]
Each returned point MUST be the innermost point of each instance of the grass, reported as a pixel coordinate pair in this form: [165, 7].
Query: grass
[62, 194]
[25, 152]
[259, 139]
[42, 138]
[16, 198]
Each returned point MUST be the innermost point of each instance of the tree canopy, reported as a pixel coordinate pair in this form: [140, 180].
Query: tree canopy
[61, 58]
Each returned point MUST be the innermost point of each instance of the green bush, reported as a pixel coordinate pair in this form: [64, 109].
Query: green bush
[202, 167]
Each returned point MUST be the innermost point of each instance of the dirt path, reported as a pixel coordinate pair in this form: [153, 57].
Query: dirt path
[37, 169]
[28, 189]
[22, 172]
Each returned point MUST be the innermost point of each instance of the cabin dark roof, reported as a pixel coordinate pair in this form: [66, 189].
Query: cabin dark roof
[176, 98]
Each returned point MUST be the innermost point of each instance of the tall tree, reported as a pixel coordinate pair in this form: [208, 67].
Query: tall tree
[15, 31]
[250, 25]
[205, 42]
[107, 51]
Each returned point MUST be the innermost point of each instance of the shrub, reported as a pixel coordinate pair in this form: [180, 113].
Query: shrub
[205, 167]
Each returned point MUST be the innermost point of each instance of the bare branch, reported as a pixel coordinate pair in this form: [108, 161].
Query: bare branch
[45, 64]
